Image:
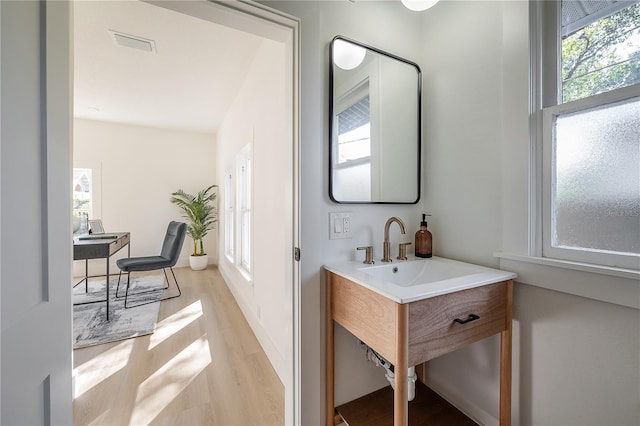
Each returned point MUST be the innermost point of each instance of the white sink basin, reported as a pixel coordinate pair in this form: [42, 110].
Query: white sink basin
[417, 279]
[419, 271]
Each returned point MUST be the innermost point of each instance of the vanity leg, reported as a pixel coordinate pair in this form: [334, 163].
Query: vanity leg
[329, 357]
[400, 402]
[505, 361]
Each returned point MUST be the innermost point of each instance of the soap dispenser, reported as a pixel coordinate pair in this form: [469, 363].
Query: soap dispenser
[423, 239]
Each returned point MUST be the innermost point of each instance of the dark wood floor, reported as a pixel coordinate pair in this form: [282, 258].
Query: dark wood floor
[427, 409]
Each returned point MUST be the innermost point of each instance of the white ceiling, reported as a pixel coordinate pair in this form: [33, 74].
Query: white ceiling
[189, 83]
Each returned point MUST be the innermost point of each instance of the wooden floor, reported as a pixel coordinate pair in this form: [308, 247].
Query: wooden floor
[202, 366]
[427, 409]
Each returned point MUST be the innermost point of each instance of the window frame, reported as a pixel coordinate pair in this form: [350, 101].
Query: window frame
[360, 91]
[605, 258]
[244, 198]
[229, 238]
[546, 104]
[87, 212]
[238, 239]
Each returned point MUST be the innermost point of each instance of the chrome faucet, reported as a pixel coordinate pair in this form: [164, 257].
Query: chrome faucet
[386, 247]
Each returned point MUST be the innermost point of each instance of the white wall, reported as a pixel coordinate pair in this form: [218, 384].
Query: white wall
[259, 116]
[388, 26]
[576, 360]
[135, 171]
[464, 134]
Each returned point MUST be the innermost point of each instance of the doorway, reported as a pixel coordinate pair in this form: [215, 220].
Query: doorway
[254, 21]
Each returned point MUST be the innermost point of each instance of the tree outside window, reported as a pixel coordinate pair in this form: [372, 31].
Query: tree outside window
[602, 56]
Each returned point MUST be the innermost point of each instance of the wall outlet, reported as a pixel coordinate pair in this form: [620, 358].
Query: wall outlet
[340, 225]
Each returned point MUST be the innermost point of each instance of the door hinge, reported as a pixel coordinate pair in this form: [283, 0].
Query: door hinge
[296, 254]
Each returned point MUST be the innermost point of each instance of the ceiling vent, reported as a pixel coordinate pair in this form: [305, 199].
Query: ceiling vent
[134, 42]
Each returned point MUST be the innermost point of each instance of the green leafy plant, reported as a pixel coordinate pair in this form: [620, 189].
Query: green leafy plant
[200, 213]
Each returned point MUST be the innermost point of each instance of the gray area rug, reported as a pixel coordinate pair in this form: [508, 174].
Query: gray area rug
[90, 325]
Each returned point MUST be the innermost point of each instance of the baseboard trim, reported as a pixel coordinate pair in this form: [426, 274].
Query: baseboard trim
[274, 356]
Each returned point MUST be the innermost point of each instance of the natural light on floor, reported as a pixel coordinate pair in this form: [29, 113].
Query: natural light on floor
[166, 383]
[175, 322]
[94, 371]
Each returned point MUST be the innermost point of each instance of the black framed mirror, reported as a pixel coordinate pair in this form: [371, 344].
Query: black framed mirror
[374, 124]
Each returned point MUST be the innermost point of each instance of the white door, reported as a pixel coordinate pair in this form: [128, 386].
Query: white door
[35, 213]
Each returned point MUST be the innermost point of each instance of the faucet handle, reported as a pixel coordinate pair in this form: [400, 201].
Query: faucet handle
[402, 251]
[368, 254]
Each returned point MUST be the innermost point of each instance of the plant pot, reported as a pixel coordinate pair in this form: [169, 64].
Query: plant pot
[198, 263]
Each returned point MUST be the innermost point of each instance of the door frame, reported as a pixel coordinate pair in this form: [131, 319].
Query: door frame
[243, 15]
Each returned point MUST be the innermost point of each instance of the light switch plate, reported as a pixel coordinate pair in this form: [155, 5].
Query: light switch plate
[340, 225]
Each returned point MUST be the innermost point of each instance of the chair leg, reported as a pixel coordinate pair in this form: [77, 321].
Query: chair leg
[159, 300]
[177, 286]
[118, 287]
[126, 293]
[166, 279]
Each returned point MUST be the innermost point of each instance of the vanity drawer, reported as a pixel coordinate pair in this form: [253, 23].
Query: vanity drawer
[433, 330]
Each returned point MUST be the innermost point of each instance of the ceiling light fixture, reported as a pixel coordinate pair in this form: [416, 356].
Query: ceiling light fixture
[347, 55]
[419, 5]
[134, 42]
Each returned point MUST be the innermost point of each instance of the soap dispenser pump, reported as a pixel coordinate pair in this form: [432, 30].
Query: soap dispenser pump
[423, 239]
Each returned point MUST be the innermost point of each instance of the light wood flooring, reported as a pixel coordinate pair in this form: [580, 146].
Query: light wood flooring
[202, 366]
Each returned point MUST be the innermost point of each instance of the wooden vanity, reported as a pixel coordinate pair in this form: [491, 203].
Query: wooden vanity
[409, 334]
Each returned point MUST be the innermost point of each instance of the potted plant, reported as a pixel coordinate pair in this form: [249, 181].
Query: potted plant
[201, 217]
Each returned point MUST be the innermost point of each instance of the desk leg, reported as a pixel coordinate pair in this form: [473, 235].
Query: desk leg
[107, 288]
[400, 395]
[86, 275]
[329, 359]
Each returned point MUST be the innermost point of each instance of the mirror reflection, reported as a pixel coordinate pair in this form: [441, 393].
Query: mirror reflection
[375, 125]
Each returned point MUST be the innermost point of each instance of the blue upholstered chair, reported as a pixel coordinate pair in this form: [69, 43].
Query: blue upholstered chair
[173, 240]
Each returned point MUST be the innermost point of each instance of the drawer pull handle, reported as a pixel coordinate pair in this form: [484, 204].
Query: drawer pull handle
[471, 317]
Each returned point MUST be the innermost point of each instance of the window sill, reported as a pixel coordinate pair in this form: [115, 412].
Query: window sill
[246, 274]
[577, 266]
[613, 285]
[237, 269]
